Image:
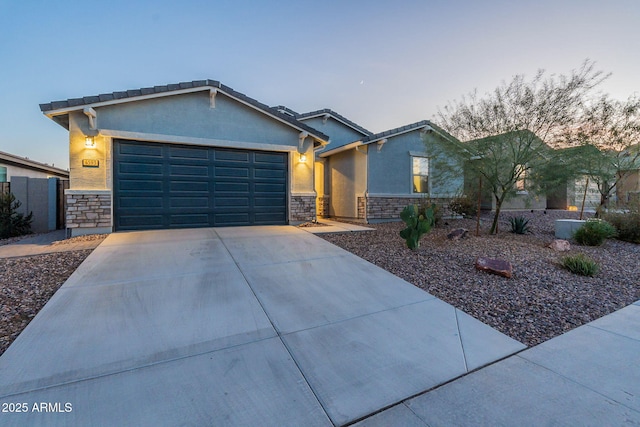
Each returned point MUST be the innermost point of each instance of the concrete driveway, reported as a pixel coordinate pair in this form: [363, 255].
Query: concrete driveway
[234, 326]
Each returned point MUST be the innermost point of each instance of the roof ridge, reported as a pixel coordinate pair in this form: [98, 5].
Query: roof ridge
[337, 116]
[397, 130]
[172, 87]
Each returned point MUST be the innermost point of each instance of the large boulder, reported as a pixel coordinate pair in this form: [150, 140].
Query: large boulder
[457, 234]
[560, 245]
[495, 266]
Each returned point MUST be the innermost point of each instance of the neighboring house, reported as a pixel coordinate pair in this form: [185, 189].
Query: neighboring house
[11, 165]
[192, 154]
[38, 187]
[628, 189]
[374, 178]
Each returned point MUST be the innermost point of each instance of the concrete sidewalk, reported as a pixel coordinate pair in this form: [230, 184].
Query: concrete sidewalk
[328, 227]
[43, 244]
[589, 376]
[235, 326]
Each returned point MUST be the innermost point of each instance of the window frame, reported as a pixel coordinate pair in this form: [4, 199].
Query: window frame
[414, 175]
[521, 183]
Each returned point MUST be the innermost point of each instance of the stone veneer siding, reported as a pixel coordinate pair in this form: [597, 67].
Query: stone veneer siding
[362, 207]
[323, 206]
[383, 208]
[88, 210]
[303, 208]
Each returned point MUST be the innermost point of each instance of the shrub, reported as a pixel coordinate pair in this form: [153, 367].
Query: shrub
[580, 264]
[463, 206]
[417, 224]
[627, 224]
[13, 223]
[594, 232]
[519, 225]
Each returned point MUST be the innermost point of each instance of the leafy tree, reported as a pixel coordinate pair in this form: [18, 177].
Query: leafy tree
[505, 135]
[13, 223]
[606, 143]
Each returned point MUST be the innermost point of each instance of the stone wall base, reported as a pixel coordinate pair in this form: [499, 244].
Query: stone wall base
[303, 208]
[323, 206]
[88, 212]
[378, 209]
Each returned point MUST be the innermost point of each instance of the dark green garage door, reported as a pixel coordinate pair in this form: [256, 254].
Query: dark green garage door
[160, 186]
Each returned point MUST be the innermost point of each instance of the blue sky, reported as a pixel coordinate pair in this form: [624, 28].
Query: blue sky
[380, 63]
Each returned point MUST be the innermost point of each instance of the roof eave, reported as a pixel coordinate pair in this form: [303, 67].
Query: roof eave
[58, 115]
[340, 149]
[337, 119]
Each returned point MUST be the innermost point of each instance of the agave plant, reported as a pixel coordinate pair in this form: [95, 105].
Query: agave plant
[519, 225]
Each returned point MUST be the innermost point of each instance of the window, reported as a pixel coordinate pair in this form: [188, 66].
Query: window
[521, 183]
[420, 174]
[3, 174]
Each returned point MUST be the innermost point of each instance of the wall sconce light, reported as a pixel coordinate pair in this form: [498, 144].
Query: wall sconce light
[303, 158]
[89, 142]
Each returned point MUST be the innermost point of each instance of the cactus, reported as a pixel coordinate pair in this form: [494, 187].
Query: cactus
[418, 223]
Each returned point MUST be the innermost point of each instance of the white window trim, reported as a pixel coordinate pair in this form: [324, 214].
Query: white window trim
[414, 154]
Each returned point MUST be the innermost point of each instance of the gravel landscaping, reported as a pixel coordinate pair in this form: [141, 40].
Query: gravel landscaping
[541, 300]
[27, 284]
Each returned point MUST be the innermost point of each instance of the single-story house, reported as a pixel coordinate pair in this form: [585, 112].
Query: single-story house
[12, 165]
[38, 187]
[373, 178]
[192, 154]
[628, 189]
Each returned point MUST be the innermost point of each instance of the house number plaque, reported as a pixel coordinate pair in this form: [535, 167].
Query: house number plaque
[90, 163]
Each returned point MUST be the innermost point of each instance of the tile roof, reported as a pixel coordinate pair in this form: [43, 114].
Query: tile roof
[336, 116]
[396, 131]
[124, 96]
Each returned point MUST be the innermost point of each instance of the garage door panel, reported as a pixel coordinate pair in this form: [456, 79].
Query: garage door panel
[189, 186]
[139, 169]
[141, 221]
[261, 187]
[231, 187]
[232, 202]
[140, 185]
[189, 170]
[188, 153]
[272, 159]
[234, 156]
[268, 218]
[270, 173]
[160, 185]
[236, 172]
[141, 202]
[229, 219]
[140, 150]
[275, 202]
[190, 202]
[190, 220]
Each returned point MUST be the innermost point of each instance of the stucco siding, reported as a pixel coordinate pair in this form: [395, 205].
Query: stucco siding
[348, 181]
[390, 168]
[339, 133]
[94, 178]
[191, 115]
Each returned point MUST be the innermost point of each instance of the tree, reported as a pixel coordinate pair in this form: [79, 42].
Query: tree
[607, 143]
[13, 223]
[505, 135]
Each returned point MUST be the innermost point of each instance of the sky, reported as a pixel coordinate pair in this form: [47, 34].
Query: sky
[380, 63]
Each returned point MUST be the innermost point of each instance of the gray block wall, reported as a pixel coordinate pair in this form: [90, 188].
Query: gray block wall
[37, 195]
